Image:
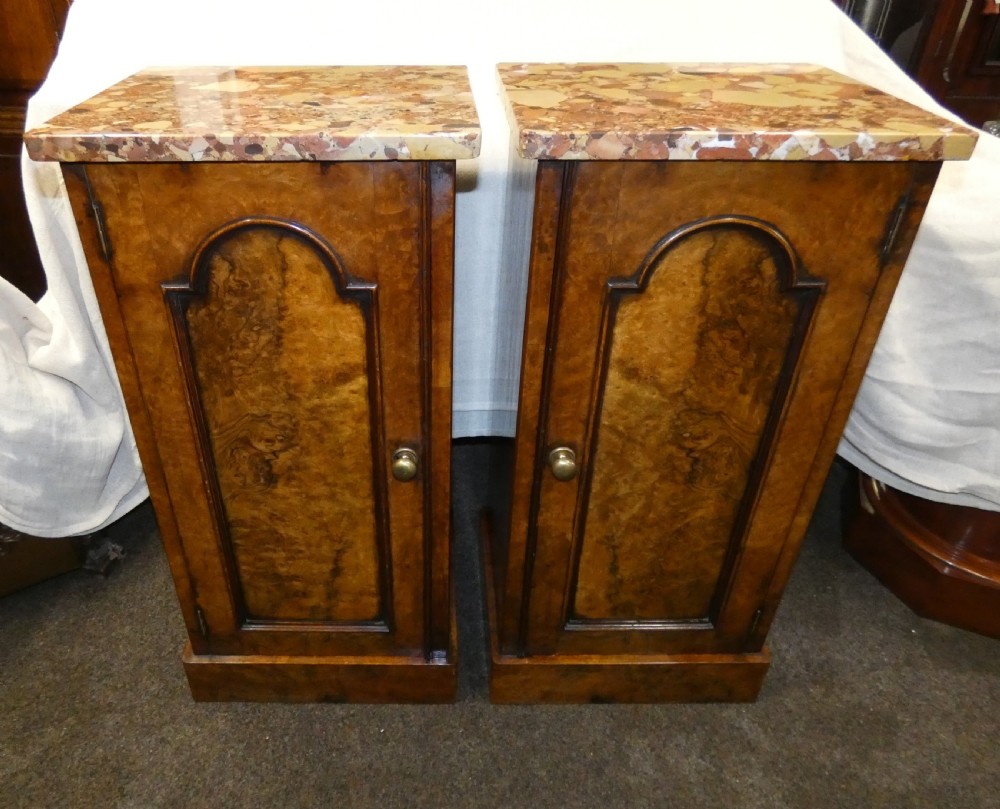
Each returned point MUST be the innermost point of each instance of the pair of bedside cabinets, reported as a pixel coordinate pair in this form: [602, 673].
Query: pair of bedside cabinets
[711, 250]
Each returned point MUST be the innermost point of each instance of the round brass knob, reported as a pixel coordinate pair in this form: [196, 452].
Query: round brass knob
[404, 464]
[562, 461]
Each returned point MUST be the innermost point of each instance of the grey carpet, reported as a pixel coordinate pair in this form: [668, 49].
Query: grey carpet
[866, 705]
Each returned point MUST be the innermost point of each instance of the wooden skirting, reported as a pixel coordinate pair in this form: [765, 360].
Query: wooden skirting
[262, 678]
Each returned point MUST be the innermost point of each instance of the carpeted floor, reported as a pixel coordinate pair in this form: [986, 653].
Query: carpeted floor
[866, 705]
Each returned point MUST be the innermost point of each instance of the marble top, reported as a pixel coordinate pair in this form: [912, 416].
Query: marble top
[269, 113]
[717, 112]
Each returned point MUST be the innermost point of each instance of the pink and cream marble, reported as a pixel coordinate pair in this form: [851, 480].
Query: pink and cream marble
[716, 112]
[269, 113]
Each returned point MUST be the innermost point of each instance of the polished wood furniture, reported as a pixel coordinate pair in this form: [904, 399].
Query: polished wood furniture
[29, 34]
[711, 251]
[272, 251]
[941, 560]
[959, 63]
[951, 48]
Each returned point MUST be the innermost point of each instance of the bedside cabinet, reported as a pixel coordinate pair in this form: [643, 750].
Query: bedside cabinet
[711, 252]
[272, 250]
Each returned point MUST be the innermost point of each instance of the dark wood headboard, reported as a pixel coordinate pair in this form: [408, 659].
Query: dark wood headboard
[29, 36]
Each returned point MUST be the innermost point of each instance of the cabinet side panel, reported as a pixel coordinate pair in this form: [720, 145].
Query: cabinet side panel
[691, 375]
[121, 349]
[919, 181]
[282, 374]
[439, 200]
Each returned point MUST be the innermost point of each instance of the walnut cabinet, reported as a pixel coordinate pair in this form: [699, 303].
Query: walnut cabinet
[280, 314]
[698, 320]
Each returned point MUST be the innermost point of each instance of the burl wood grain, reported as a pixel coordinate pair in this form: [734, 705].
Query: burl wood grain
[390, 224]
[596, 222]
[691, 377]
[282, 378]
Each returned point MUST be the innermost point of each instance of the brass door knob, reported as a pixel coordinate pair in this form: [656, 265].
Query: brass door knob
[562, 461]
[404, 464]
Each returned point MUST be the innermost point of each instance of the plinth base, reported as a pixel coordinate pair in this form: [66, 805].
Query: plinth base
[675, 678]
[258, 678]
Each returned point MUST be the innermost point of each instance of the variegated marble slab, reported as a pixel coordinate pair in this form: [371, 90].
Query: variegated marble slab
[269, 113]
[717, 112]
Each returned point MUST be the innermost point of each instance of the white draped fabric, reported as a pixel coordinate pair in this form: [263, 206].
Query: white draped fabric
[929, 412]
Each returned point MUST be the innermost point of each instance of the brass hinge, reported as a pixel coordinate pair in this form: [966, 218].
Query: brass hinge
[892, 227]
[202, 623]
[97, 211]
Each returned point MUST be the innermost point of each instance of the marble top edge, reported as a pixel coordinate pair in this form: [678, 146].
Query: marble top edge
[281, 113]
[716, 111]
[658, 68]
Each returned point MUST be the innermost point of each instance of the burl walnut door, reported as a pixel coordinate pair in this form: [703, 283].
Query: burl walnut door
[286, 347]
[699, 319]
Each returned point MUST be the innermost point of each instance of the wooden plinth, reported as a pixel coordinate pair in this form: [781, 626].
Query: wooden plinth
[259, 678]
[614, 678]
[942, 561]
[680, 678]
